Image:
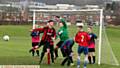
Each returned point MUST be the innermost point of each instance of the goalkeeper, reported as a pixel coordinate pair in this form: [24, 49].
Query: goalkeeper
[62, 33]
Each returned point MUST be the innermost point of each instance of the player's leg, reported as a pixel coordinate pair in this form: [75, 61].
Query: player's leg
[71, 54]
[37, 50]
[52, 53]
[43, 52]
[93, 55]
[86, 56]
[48, 55]
[63, 53]
[39, 45]
[33, 51]
[89, 56]
[69, 57]
[65, 59]
[80, 50]
[56, 48]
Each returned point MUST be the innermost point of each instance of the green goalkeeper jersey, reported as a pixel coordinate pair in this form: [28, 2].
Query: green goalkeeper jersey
[63, 32]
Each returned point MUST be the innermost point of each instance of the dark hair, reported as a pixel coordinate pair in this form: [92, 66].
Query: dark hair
[50, 21]
[57, 16]
[80, 26]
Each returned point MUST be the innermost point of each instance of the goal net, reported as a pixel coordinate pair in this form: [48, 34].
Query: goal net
[93, 17]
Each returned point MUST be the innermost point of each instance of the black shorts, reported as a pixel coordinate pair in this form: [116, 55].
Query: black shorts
[41, 43]
[91, 49]
[59, 43]
[47, 45]
[35, 44]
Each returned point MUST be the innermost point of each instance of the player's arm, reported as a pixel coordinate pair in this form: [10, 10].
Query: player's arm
[57, 34]
[95, 36]
[54, 34]
[77, 38]
[64, 23]
[39, 29]
[31, 34]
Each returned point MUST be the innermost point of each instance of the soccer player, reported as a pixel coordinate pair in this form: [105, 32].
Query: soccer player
[91, 47]
[49, 34]
[35, 41]
[62, 33]
[82, 38]
[67, 48]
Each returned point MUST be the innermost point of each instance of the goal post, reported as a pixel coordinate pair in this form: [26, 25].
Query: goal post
[76, 11]
[100, 36]
[34, 15]
[81, 10]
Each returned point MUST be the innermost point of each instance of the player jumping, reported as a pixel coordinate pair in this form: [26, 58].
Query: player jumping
[49, 34]
[63, 35]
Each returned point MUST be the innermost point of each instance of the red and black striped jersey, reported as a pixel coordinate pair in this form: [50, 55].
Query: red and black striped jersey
[48, 34]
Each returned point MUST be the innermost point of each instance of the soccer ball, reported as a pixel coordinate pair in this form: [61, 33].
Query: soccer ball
[6, 38]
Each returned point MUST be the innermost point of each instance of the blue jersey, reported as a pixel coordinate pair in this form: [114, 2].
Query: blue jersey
[35, 33]
[67, 44]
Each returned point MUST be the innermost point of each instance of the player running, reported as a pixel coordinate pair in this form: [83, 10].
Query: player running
[82, 38]
[62, 33]
[49, 34]
[67, 48]
[91, 47]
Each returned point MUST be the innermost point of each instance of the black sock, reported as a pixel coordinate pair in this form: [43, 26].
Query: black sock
[71, 59]
[30, 50]
[56, 52]
[42, 55]
[68, 63]
[52, 57]
[64, 61]
[37, 51]
[93, 59]
[33, 52]
[89, 58]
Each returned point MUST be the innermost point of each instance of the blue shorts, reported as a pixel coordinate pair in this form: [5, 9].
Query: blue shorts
[82, 49]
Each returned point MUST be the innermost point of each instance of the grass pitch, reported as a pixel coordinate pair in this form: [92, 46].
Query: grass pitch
[15, 51]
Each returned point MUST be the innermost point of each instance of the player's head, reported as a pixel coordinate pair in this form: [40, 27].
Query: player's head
[57, 18]
[61, 22]
[50, 23]
[80, 26]
[89, 29]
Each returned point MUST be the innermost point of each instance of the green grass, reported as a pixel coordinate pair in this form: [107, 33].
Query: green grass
[15, 51]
